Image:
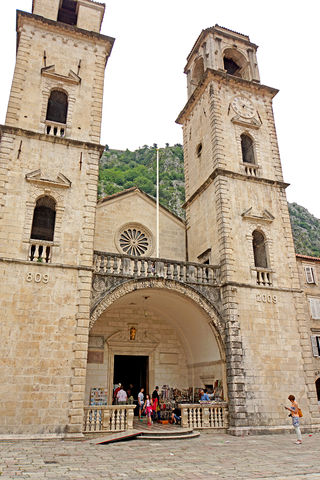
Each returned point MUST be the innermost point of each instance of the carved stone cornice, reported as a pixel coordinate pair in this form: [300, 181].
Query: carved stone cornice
[60, 182]
[229, 173]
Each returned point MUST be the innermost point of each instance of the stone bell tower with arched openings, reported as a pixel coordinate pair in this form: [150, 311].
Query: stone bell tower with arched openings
[237, 218]
[49, 161]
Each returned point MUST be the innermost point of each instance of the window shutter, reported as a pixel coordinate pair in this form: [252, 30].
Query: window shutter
[309, 274]
[315, 348]
[315, 308]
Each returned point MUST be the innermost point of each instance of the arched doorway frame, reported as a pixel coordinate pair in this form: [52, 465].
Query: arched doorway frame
[215, 322]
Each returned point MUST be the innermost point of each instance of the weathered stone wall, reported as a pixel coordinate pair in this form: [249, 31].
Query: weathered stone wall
[46, 9]
[64, 48]
[38, 335]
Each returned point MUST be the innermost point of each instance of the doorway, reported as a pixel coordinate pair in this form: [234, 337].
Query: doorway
[131, 369]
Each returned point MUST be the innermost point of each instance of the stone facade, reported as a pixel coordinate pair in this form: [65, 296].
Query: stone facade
[78, 275]
[46, 302]
[309, 275]
[228, 113]
[133, 208]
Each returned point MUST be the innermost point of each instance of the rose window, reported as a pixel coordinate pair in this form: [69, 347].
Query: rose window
[133, 241]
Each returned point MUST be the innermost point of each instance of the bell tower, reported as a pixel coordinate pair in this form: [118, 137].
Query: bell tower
[49, 160]
[237, 218]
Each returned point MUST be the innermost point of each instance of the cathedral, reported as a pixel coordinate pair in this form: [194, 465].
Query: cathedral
[89, 296]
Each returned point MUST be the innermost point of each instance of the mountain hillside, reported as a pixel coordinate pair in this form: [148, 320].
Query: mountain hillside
[120, 170]
[306, 230]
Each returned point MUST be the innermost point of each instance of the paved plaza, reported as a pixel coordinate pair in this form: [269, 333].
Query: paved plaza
[210, 456]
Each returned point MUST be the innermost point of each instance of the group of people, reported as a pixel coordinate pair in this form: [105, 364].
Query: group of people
[149, 406]
[122, 396]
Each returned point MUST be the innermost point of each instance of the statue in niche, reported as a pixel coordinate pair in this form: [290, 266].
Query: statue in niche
[133, 332]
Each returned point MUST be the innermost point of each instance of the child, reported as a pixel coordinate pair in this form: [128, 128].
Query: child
[148, 408]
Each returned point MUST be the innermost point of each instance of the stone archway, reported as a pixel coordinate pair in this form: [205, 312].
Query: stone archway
[177, 314]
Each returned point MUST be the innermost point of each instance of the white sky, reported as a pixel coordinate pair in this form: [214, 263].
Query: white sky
[146, 89]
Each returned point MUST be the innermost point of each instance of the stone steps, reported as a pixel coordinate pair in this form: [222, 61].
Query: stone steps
[170, 435]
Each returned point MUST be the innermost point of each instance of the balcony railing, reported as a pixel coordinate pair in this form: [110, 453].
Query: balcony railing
[251, 169]
[40, 251]
[206, 415]
[109, 418]
[144, 267]
[55, 129]
[263, 276]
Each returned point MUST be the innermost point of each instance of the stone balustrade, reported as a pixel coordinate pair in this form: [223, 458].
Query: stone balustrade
[55, 129]
[108, 418]
[251, 169]
[263, 276]
[40, 251]
[205, 415]
[146, 267]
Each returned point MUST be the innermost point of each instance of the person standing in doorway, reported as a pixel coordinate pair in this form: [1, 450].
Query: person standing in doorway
[122, 396]
[156, 404]
[294, 414]
[115, 393]
[140, 402]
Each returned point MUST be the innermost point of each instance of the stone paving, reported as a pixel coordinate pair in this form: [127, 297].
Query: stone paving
[210, 456]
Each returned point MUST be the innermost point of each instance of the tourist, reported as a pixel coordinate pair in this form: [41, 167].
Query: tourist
[122, 396]
[140, 402]
[176, 416]
[294, 414]
[148, 409]
[156, 404]
[204, 396]
[115, 393]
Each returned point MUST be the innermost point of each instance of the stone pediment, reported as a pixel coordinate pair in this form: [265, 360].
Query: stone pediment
[250, 122]
[251, 214]
[50, 72]
[142, 338]
[38, 177]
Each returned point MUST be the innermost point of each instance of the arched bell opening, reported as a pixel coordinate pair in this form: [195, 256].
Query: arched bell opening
[235, 63]
[198, 71]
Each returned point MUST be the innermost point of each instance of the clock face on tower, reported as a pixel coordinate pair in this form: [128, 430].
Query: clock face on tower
[243, 106]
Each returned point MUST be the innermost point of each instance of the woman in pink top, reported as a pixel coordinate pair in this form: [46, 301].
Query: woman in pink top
[148, 408]
[294, 413]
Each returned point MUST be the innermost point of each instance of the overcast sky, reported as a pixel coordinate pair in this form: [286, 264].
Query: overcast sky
[146, 89]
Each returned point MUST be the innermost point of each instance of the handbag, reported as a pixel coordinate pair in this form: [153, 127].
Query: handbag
[300, 412]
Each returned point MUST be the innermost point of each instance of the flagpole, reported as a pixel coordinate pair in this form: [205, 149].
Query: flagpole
[157, 189]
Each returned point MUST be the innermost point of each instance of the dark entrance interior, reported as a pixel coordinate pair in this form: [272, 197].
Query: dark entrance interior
[131, 369]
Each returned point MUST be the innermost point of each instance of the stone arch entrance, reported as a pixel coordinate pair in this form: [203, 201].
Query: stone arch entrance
[174, 326]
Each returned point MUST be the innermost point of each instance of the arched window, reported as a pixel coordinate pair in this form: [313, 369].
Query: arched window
[57, 107]
[247, 149]
[259, 250]
[44, 217]
[198, 71]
